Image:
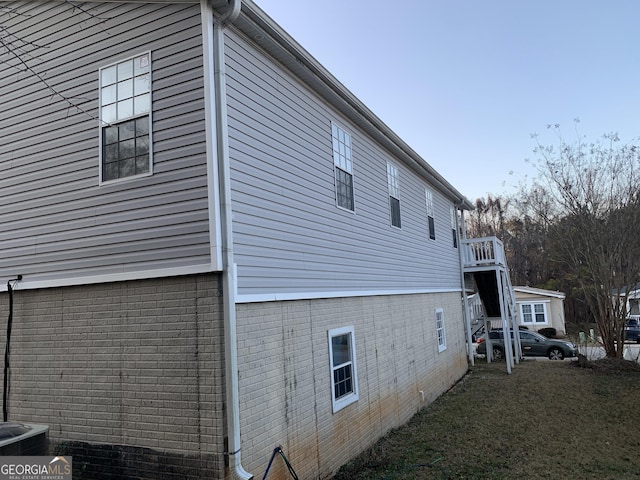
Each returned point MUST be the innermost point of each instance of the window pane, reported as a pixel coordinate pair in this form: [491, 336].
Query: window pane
[394, 204]
[142, 164]
[141, 64]
[393, 181]
[429, 202]
[141, 104]
[125, 89]
[142, 126]
[342, 380]
[110, 171]
[125, 109]
[432, 228]
[344, 188]
[109, 114]
[341, 142]
[141, 85]
[108, 75]
[142, 145]
[127, 148]
[340, 350]
[111, 153]
[125, 70]
[110, 135]
[127, 130]
[128, 167]
[108, 95]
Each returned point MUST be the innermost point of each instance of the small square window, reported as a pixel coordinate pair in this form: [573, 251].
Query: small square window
[342, 358]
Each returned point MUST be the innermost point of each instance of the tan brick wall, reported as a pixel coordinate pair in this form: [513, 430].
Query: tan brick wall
[285, 375]
[135, 363]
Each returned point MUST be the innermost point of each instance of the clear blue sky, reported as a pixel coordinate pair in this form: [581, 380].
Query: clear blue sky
[466, 82]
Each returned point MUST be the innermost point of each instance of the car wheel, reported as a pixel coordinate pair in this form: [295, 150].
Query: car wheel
[556, 354]
[497, 353]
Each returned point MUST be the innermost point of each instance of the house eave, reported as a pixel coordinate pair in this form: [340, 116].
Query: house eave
[539, 291]
[265, 32]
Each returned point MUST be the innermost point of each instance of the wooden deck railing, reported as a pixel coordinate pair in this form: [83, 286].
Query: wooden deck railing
[486, 251]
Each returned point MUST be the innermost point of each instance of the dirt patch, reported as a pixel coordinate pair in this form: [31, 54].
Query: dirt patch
[546, 420]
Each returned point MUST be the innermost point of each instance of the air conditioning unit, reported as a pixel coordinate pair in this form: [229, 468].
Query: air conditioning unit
[23, 439]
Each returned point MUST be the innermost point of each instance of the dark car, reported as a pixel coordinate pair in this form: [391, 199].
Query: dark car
[533, 345]
[632, 330]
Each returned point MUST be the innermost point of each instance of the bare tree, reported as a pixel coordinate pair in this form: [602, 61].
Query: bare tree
[21, 55]
[597, 237]
[489, 217]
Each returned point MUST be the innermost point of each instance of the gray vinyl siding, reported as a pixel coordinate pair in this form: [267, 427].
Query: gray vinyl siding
[56, 221]
[289, 235]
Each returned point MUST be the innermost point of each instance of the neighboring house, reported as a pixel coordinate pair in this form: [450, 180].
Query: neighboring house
[220, 249]
[538, 308]
[632, 295]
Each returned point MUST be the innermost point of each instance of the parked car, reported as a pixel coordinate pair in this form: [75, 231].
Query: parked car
[632, 330]
[533, 345]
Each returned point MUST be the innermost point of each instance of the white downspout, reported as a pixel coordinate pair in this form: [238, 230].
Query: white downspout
[465, 303]
[229, 286]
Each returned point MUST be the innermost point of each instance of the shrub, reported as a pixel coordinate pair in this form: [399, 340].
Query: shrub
[549, 332]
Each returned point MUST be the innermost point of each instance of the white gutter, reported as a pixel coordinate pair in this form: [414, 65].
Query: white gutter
[215, 44]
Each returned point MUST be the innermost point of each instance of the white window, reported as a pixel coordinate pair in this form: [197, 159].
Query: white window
[533, 313]
[430, 214]
[442, 337]
[343, 167]
[344, 378]
[125, 118]
[454, 227]
[393, 181]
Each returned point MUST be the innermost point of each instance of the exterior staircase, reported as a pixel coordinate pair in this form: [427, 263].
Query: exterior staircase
[485, 265]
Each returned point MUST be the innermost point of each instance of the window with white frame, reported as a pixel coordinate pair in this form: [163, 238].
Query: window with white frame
[442, 337]
[430, 214]
[393, 181]
[533, 313]
[343, 167]
[454, 227]
[344, 377]
[125, 118]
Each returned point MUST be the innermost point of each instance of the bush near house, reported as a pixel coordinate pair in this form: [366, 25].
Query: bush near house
[548, 332]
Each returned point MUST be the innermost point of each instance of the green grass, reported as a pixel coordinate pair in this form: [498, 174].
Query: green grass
[547, 420]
